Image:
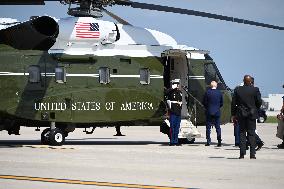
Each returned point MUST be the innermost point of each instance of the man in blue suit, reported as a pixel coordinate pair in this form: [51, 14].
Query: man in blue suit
[213, 101]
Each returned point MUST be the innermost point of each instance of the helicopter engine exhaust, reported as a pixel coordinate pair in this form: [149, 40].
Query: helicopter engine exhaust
[36, 34]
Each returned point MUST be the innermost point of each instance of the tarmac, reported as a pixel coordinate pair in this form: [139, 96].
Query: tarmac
[141, 159]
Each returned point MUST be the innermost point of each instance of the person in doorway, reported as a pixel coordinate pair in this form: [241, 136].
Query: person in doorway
[245, 106]
[213, 101]
[174, 102]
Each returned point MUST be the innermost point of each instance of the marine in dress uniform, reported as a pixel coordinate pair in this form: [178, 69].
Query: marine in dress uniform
[175, 105]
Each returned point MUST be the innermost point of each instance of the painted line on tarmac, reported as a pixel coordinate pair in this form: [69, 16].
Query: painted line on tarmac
[49, 147]
[81, 182]
[41, 146]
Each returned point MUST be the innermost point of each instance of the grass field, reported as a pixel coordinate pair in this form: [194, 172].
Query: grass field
[271, 119]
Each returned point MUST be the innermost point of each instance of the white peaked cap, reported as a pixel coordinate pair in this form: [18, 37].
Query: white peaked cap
[175, 81]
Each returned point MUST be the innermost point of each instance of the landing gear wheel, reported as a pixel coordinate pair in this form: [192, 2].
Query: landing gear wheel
[56, 137]
[45, 136]
[66, 134]
[261, 120]
[186, 141]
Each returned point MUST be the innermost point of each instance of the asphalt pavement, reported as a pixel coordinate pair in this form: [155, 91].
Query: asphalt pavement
[141, 159]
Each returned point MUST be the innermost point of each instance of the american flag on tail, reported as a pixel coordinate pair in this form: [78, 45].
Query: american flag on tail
[87, 30]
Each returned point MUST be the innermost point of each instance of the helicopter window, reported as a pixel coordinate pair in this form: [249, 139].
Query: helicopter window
[125, 60]
[104, 75]
[34, 74]
[60, 75]
[144, 76]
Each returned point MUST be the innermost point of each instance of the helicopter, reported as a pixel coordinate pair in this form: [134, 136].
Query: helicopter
[84, 72]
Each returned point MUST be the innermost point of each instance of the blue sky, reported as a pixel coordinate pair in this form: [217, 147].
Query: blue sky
[236, 48]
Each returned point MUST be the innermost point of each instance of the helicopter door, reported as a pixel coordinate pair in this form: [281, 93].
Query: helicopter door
[176, 67]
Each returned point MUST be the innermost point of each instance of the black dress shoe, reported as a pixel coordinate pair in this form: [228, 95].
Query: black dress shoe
[259, 146]
[241, 157]
[252, 157]
[170, 144]
[178, 145]
[219, 144]
[207, 144]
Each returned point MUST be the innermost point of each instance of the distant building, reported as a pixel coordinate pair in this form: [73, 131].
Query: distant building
[273, 102]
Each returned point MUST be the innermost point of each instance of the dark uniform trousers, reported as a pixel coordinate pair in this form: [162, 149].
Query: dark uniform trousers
[247, 125]
[175, 126]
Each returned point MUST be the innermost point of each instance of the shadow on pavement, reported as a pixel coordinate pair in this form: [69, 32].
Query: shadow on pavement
[216, 157]
[21, 143]
[233, 158]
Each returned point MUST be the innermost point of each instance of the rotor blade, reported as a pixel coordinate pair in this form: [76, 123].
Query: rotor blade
[24, 2]
[117, 18]
[196, 13]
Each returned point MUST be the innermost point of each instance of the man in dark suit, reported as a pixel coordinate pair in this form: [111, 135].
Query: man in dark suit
[245, 105]
[213, 101]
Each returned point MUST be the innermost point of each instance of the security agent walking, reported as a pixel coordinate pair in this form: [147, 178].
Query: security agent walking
[174, 102]
[213, 101]
[245, 105]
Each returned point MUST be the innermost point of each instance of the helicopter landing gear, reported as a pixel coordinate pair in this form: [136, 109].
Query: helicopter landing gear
[118, 132]
[45, 136]
[186, 141]
[53, 136]
[56, 137]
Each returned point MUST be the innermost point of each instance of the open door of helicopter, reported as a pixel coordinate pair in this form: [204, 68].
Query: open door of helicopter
[176, 66]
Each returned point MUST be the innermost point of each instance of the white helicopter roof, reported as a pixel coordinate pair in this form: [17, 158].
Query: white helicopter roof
[142, 36]
[7, 22]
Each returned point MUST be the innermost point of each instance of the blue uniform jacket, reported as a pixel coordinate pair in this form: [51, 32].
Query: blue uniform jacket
[213, 101]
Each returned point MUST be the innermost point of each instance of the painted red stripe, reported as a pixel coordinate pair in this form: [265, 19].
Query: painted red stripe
[87, 37]
[88, 32]
[83, 24]
[82, 33]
